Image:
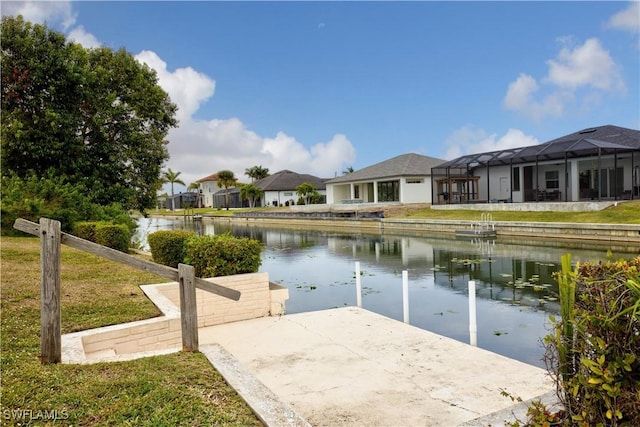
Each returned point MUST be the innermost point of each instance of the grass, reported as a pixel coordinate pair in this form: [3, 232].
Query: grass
[624, 213]
[177, 389]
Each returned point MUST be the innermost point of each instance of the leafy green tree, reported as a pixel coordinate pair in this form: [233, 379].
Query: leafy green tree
[251, 193]
[256, 173]
[172, 177]
[226, 179]
[93, 116]
[305, 191]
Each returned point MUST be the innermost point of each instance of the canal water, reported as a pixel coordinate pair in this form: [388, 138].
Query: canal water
[515, 288]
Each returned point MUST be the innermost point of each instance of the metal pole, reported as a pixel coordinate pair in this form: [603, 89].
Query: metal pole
[358, 286]
[473, 326]
[405, 295]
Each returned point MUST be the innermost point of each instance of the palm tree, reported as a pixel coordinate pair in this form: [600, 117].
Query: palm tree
[195, 187]
[256, 173]
[305, 190]
[348, 170]
[226, 179]
[251, 192]
[172, 177]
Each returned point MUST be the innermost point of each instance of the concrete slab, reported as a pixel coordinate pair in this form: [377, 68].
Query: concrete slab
[349, 366]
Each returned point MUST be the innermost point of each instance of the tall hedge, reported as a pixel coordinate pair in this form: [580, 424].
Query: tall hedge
[223, 255]
[168, 246]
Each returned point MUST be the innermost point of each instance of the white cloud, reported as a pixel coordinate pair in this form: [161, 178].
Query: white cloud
[583, 72]
[51, 12]
[586, 65]
[626, 20]
[81, 36]
[471, 140]
[187, 88]
[201, 147]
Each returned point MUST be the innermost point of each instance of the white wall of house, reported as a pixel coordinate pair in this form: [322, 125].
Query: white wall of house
[281, 197]
[208, 189]
[412, 190]
[415, 190]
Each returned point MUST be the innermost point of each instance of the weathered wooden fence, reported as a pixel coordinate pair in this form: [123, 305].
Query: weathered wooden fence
[51, 238]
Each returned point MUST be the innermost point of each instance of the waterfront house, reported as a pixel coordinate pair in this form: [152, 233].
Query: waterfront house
[208, 187]
[280, 187]
[600, 163]
[405, 179]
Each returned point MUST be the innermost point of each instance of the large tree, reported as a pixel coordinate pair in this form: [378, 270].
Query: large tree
[94, 116]
[226, 179]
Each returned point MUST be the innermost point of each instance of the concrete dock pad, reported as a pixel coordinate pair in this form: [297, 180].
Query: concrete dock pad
[352, 367]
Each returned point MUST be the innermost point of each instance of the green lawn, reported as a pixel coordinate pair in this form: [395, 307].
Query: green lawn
[177, 389]
[625, 213]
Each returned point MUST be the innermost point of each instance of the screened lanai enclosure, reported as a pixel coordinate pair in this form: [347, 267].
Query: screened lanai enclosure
[600, 163]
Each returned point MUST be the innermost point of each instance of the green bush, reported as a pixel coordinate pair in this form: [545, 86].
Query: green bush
[115, 236]
[53, 197]
[168, 246]
[86, 230]
[223, 255]
[594, 353]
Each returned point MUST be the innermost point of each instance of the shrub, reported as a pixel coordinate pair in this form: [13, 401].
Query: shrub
[168, 246]
[86, 230]
[53, 197]
[594, 353]
[115, 236]
[223, 255]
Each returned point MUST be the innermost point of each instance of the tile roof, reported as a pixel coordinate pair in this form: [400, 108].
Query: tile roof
[411, 164]
[212, 177]
[288, 180]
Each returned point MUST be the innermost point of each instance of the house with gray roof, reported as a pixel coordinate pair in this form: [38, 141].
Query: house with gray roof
[599, 163]
[280, 187]
[404, 179]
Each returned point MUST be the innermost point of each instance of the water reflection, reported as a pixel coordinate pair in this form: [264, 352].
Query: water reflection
[514, 283]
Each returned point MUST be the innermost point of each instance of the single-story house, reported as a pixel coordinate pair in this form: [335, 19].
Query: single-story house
[405, 179]
[208, 187]
[280, 187]
[600, 163]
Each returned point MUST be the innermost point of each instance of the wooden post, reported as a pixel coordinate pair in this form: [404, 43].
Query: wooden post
[188, 309]
[50, 329]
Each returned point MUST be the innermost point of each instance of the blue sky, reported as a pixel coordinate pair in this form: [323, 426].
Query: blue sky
[317, 87]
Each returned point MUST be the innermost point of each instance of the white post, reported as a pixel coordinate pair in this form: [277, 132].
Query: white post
[405, 295]
[358, 286]
[473, 326]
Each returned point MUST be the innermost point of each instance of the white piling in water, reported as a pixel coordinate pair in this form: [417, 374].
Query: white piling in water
[358, 286]
[405, 295]
[473, 326]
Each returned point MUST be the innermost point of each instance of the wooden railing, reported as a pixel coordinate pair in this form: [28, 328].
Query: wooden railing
[51, 238]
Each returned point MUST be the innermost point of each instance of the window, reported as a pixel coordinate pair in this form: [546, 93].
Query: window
[356, 191]
[516, 179]
[552, 179]
[389, 191]
[288, 194]
[415, 180]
